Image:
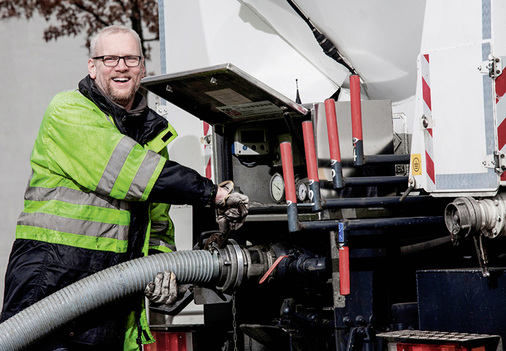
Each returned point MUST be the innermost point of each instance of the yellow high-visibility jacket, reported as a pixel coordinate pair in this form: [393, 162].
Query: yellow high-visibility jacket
[96, 198]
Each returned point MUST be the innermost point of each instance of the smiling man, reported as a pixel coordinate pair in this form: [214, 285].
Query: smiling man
[99, 195]
[119, 76]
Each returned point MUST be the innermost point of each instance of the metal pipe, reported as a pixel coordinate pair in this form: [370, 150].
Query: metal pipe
[335, 152]
[344, 203]
[356, 120]
[375, 223]
[388, 158]
[371, 223]
[373, 180]
[312, 165]
[373, 201]
[381, 158]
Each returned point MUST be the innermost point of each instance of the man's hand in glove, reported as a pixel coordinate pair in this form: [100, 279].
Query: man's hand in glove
[164, 289]
[232, 207]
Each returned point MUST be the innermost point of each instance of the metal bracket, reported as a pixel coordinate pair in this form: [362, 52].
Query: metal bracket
[497, 161]
[493, 67]
[426, 122]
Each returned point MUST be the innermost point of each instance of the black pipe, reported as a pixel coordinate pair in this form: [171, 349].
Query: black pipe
[370, 223]
[363, 181]
[374, 223]
[275, 209]
[380, 158]
[373, 201]
[388, 158]
[328, 47]
[343, 203]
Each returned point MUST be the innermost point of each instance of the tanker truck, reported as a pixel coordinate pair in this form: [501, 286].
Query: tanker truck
[369, 137]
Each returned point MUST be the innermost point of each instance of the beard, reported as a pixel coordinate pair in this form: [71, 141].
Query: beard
[122, 98]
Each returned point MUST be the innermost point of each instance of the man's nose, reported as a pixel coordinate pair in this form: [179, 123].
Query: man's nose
[121, 64]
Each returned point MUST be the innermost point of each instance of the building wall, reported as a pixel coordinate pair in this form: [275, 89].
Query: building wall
[31, 73]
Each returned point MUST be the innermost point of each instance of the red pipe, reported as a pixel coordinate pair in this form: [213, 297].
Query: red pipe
[344, 261]
[335, 152]
[356, 106]
[312, 165]
[356, 120]
[330, 112]
[289, 178]
[287, 162]
[309, 147]
[344, 270]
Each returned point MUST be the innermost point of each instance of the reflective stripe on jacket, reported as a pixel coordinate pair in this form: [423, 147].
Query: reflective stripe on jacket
[87, 179]
[84, 174]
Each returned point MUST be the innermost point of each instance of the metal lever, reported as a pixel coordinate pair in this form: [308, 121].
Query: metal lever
[481, 252]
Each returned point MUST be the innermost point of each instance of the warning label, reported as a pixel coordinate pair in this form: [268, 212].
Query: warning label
[416, 164]
[250, 109]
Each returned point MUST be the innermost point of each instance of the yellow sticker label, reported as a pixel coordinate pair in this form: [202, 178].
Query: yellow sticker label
[416, 164]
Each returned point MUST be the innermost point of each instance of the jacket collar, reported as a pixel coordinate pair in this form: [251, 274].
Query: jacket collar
[140, 123]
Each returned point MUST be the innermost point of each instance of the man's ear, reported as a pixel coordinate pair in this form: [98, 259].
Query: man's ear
[92, 69]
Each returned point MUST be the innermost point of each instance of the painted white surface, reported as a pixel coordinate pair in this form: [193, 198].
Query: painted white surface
[381, 39]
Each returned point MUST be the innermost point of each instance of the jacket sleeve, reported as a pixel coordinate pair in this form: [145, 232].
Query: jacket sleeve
[180, 185]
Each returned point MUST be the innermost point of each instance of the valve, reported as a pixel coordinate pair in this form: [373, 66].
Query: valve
[468, 216]
[482, 218]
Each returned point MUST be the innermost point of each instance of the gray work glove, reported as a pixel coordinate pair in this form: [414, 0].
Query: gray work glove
[232, 210]
[164, 289]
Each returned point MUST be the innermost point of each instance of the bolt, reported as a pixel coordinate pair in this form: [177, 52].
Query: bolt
[347, 320]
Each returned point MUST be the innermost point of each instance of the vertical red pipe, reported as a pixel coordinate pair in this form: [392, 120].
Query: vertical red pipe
[312, 165]
[335, 152]
[356, 120]
[344, 270]
[289, 178]
[344, 262]
[288, 175]
[309, 147]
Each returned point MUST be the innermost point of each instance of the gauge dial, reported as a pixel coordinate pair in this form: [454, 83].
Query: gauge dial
[302, 190]
[277, 188]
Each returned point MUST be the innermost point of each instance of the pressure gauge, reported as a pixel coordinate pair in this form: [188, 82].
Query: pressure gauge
[302, 190]
[277, 188]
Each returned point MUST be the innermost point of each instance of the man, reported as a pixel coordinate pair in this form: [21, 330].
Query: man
[99, 195]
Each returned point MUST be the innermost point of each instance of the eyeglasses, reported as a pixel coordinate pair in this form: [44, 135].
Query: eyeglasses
[112, 61]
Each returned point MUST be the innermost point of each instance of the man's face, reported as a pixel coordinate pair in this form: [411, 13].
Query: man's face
[118, 83]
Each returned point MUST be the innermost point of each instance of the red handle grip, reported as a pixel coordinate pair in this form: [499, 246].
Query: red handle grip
[330, 113]
[309, 146]
[289, 178]
[344, 270]
[356, 107]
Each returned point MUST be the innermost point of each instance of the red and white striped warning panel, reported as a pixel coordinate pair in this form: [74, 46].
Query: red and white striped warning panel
[208, 151]
[427, 118]
[500, 92]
